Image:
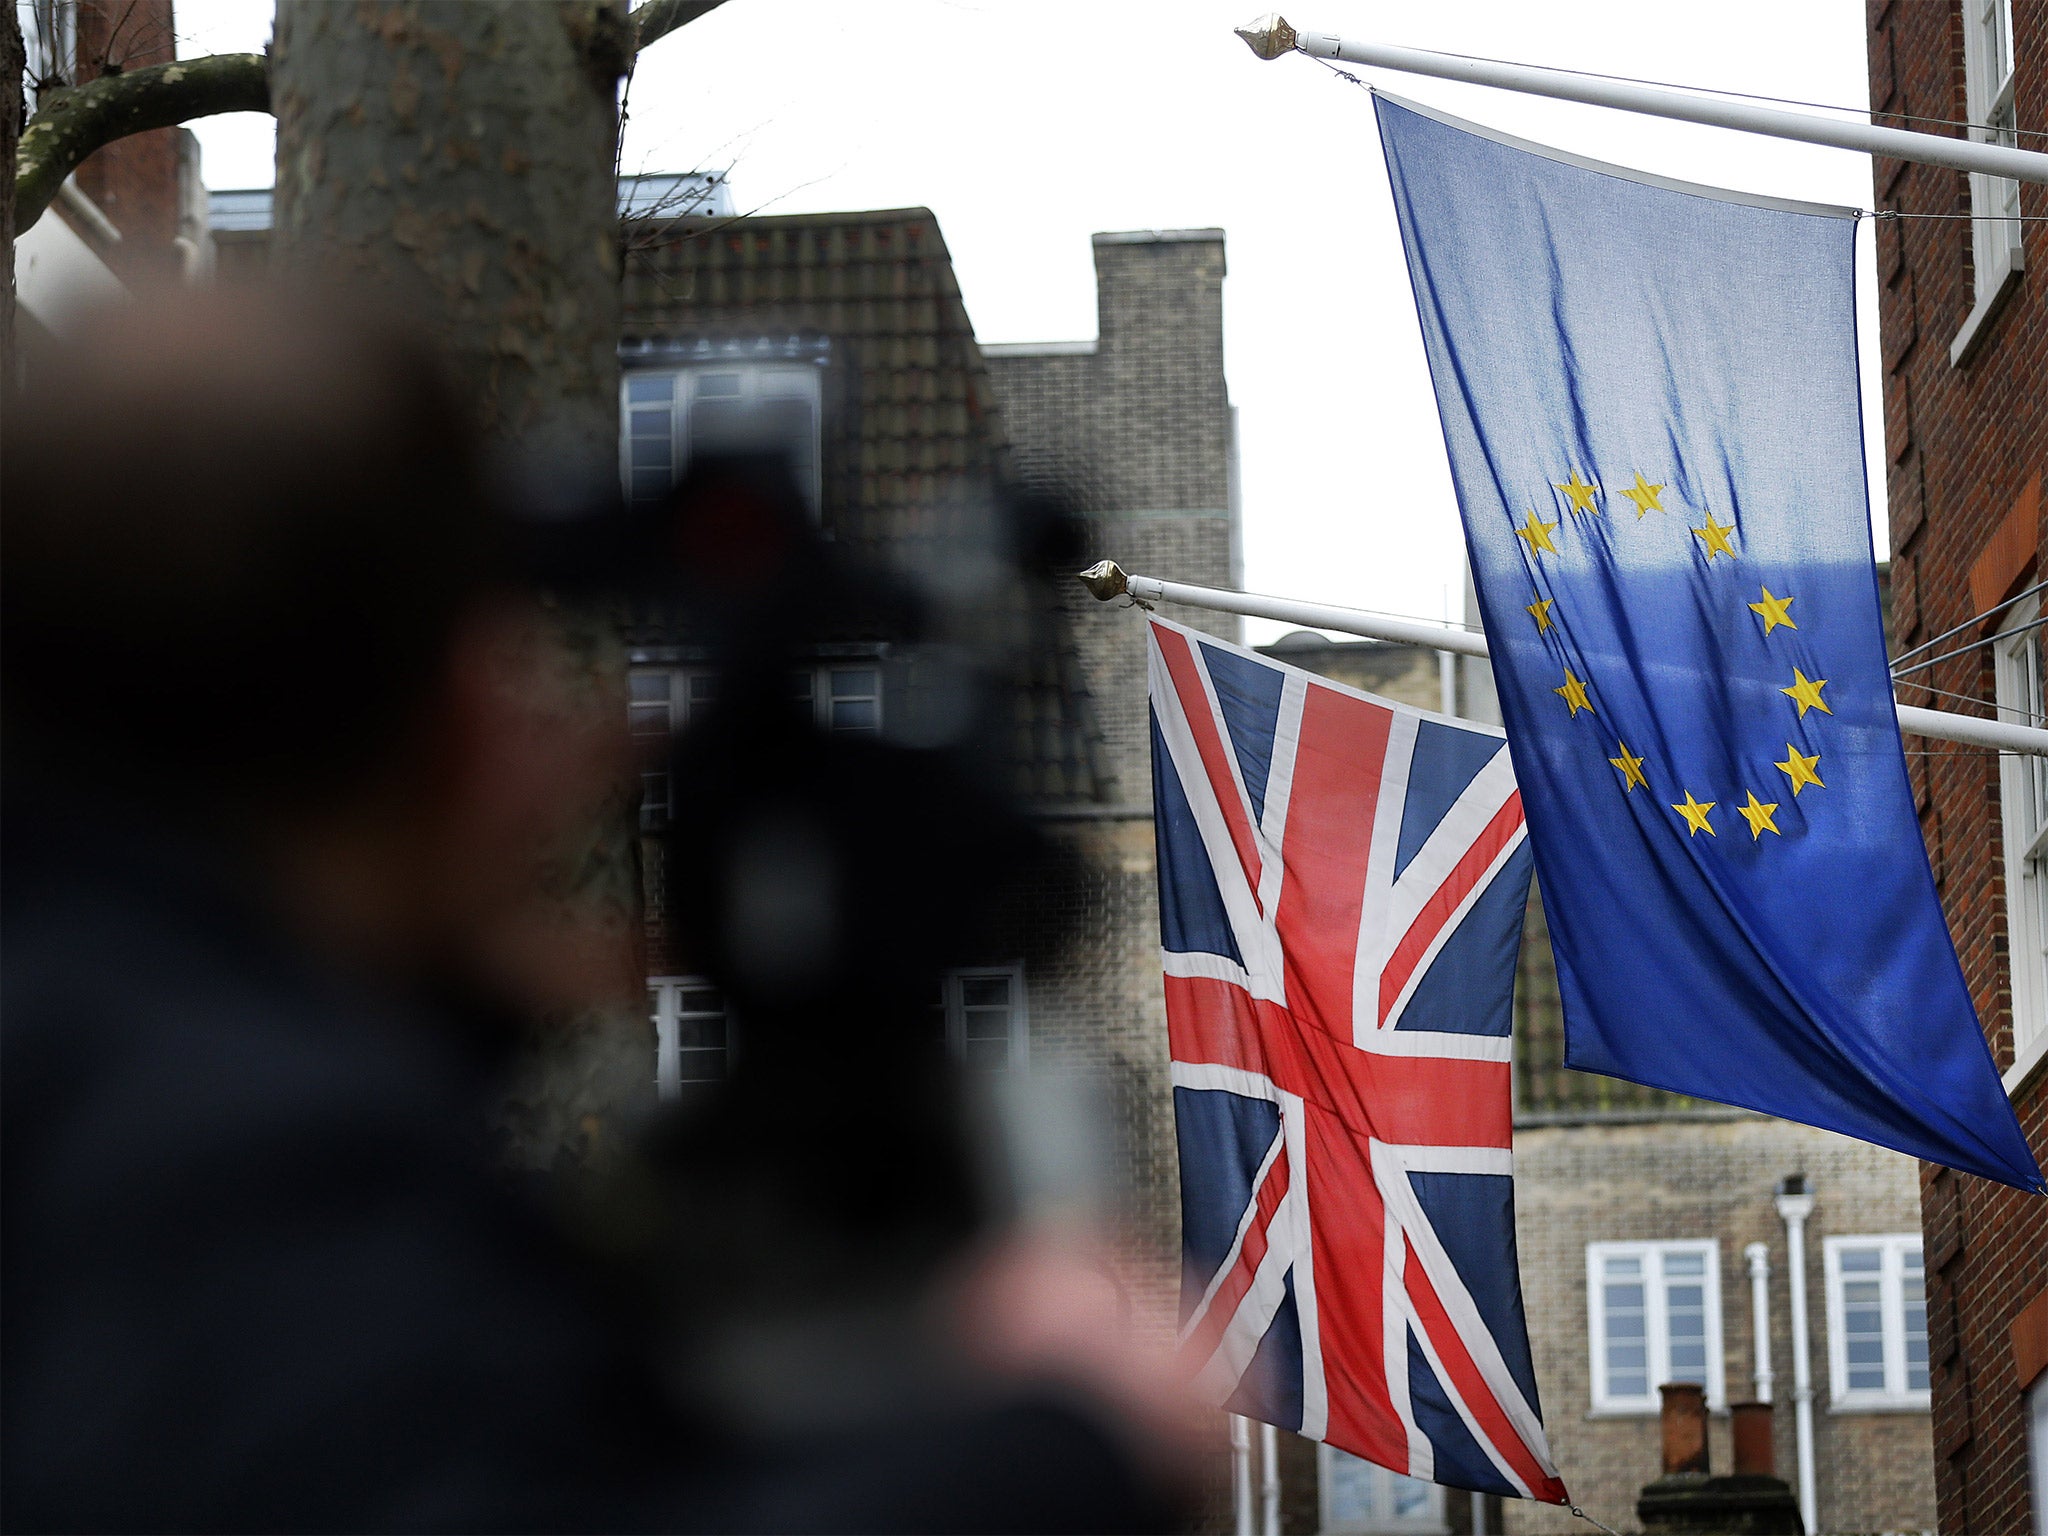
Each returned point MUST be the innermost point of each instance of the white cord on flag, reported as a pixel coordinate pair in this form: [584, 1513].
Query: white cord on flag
[1610, 1530]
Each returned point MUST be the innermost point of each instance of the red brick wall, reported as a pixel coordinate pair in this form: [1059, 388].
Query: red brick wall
[1965, 447]
[133, 181]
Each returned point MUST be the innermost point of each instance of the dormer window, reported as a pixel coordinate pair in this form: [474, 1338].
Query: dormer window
[688, 401]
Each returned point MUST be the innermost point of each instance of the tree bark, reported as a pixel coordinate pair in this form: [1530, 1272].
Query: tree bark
[456, 160]
[78, 121]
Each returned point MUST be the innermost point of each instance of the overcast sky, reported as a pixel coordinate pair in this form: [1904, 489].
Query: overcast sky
[1027, 125]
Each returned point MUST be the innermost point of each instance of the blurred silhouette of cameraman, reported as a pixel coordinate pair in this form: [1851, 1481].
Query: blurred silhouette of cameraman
[282, 759]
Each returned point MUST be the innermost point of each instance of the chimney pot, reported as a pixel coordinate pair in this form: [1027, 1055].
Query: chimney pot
[1684, 1423]
[1752, 1436]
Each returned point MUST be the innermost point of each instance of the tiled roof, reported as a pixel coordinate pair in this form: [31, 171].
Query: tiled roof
[911, 443]
[909, 413]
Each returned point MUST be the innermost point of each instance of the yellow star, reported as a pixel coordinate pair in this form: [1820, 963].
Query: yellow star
[1805, 692]
[1758, 814]
[1574, 694]
[1631, 768]
[1537, 535]
[1798, 768]
[1540, 612]
[1580, 492]
[1716, 537]
[1695, 815]
[1772, 609]
[1644, 495]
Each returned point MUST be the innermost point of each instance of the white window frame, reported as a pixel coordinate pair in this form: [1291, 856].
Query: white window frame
[1998, 256]
[665, 1012]
[952, 993]
[2023, 821]
[1657, 1320]
[758, 380]
[1382, 1521]
[1895, 1395]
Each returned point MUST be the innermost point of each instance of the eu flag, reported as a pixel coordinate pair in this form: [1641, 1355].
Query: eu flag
[1649, 395]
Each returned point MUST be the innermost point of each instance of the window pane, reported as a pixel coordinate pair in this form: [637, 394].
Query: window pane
[1350, 1492]
[856, 715]
[654, 423]
[854, 682]
[648, 719]
[1411, 1496]
[988, 1055]
[650, 386]
[1686, 1313]
[717, 384]
[703, 687]
[1627, 1354]
[985, 991]
[650, 453]
[701, 1031]
[1863, 1347]
[1617, 1266]
[651, 484]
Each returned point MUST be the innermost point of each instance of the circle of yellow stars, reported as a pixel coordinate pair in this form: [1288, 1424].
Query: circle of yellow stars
[1802, 770]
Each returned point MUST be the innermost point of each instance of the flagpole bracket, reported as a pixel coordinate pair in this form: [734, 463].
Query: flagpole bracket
[1269, 36]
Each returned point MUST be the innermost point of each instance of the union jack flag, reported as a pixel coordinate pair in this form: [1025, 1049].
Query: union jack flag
[1341, 889]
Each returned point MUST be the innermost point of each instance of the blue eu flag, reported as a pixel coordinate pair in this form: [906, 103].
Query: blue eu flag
[1650, 399]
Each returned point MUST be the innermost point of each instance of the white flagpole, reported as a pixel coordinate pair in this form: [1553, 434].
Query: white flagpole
[1107, 580]
[1272, 36]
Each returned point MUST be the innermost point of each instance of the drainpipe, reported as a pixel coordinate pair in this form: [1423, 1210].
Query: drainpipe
[1795, 1204]
[1759, 1256]
[1269, 1480]
[1241, 1474]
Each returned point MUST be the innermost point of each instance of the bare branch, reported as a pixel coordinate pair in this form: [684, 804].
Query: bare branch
[655, 19]
[70, 125]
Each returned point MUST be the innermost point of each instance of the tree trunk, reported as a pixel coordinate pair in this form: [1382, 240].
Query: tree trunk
[457, 160]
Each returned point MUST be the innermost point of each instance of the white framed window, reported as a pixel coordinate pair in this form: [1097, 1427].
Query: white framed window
[1998, 256]
[1877, 1322]
[2023, 812]
[1357, 1498]
[727, 405]
[982, 1011]
[692, 1035]
[1653, 1312]
[662, 700]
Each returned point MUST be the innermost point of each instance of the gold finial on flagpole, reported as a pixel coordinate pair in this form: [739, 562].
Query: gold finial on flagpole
[1105, 579]
[1269, 36]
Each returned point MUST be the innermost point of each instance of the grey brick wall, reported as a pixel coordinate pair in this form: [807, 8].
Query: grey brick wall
[1137, 432]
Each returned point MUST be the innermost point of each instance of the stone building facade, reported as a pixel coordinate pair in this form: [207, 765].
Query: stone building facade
[1964, 330]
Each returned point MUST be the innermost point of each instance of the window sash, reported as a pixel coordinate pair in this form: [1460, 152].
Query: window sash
[982, 1012]
[1877, 1321]
[692, 1033]
[668, 414]
[1357, 1498]
[1988, 76]
[2023, 816]
[1669, 1331]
